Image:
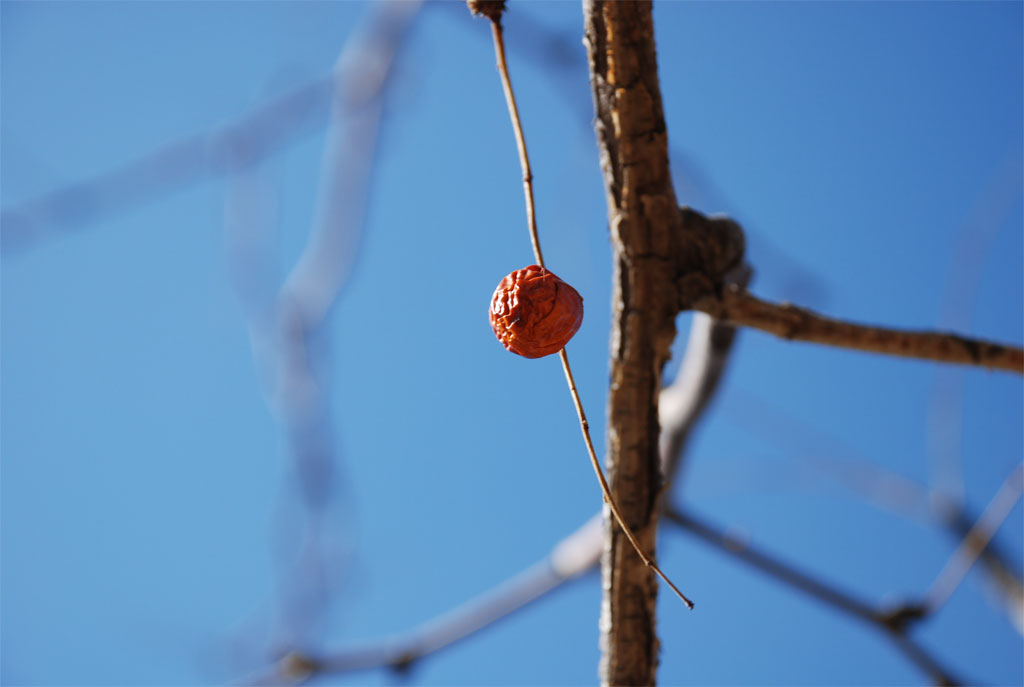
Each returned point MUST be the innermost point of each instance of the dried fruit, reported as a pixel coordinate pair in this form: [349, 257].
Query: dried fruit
[534, 313]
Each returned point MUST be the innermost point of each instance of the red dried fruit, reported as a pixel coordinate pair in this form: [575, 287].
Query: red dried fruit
[534, 313]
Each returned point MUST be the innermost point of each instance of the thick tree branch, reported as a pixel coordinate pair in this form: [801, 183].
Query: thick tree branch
[645, 224]
[791, 322]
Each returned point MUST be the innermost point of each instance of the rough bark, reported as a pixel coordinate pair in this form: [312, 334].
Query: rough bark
[643, 214]
[664, 259]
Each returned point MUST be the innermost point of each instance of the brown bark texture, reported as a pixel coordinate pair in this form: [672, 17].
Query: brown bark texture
[643, 216]
[737, 306]
[665, 259]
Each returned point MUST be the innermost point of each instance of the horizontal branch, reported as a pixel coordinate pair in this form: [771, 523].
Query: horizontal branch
[791, 322]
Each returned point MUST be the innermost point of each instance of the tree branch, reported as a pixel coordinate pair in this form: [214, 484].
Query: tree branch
[644, 222]
[791, 322]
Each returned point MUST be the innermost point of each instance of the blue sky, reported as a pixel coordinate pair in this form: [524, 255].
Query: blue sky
[150, 511]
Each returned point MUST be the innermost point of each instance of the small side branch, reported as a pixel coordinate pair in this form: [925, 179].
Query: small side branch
[791, 322]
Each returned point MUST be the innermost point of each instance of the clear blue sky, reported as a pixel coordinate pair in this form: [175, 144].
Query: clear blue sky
[149, 508]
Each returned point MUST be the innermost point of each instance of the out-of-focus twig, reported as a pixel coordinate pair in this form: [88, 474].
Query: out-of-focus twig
[287, 327]
[791, 322]
[975, 238]
[895, 622]
[172, 167]
[976, 541]
[743, 551]
[988, 214]
[569, 559]
[818, 453]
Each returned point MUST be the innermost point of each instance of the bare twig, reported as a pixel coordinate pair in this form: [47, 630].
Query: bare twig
[791, 322]
[604, 483]
[976, 540]
[531, 217]
[517, 128]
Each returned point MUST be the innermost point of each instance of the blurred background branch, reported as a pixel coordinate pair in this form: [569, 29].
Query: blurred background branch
[288, 329]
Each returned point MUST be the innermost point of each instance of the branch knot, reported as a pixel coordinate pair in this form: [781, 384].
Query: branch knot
[492, 9]
[706, 250]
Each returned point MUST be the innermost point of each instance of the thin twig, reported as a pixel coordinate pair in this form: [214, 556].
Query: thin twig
[791, 322]
[585, 427]
[977, 540]
[524, 161]
[517, 127]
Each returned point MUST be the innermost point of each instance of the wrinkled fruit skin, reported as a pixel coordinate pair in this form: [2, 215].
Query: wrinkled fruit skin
[534, 313]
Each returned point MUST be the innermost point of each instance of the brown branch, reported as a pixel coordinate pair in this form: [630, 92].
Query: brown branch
[645, 228]
[791, 322]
